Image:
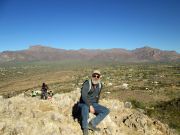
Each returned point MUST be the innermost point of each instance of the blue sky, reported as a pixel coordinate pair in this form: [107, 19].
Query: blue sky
[92, 24]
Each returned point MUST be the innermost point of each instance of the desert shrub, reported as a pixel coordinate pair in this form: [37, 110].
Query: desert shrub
[137, 104]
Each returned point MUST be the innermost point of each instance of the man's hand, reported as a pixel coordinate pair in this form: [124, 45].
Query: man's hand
[91, 108]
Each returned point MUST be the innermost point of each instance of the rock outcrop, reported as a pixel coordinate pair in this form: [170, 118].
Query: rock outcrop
[23, 115]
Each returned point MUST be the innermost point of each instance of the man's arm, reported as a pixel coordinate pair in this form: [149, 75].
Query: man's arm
[84, 93]
[85, 90]
[99, 93]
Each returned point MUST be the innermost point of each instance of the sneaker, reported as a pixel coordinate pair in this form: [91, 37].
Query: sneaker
[91, 127]
[85, 131]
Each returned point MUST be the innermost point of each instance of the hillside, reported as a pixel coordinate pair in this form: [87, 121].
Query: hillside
[43, 53]
[27, 115]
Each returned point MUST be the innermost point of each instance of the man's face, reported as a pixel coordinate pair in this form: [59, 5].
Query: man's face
[95, 78]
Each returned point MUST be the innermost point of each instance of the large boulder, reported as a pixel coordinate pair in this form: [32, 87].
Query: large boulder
[23, 115]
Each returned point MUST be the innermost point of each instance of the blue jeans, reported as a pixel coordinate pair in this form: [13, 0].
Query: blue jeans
[100, 111]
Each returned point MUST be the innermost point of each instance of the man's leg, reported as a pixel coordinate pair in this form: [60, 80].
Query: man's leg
[46, 95]
[101, 113]
[84, 115]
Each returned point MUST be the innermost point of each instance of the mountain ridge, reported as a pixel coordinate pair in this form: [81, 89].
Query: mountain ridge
[44, 53]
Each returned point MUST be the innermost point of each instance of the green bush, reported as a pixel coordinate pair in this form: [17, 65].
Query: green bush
[137, 104]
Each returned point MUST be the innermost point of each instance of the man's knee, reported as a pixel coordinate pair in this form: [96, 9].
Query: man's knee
[85, 108]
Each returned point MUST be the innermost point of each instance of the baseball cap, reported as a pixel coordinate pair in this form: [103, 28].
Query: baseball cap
[96, 72]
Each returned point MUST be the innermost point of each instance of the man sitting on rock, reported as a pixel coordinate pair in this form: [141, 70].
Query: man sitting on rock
[90, 93]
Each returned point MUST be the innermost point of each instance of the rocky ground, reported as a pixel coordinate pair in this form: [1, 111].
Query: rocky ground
[25, 115]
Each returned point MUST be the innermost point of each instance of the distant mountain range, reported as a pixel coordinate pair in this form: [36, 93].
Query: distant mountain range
[43, 53]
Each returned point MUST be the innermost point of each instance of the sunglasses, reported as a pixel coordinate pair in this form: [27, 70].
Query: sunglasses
[96, 75]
